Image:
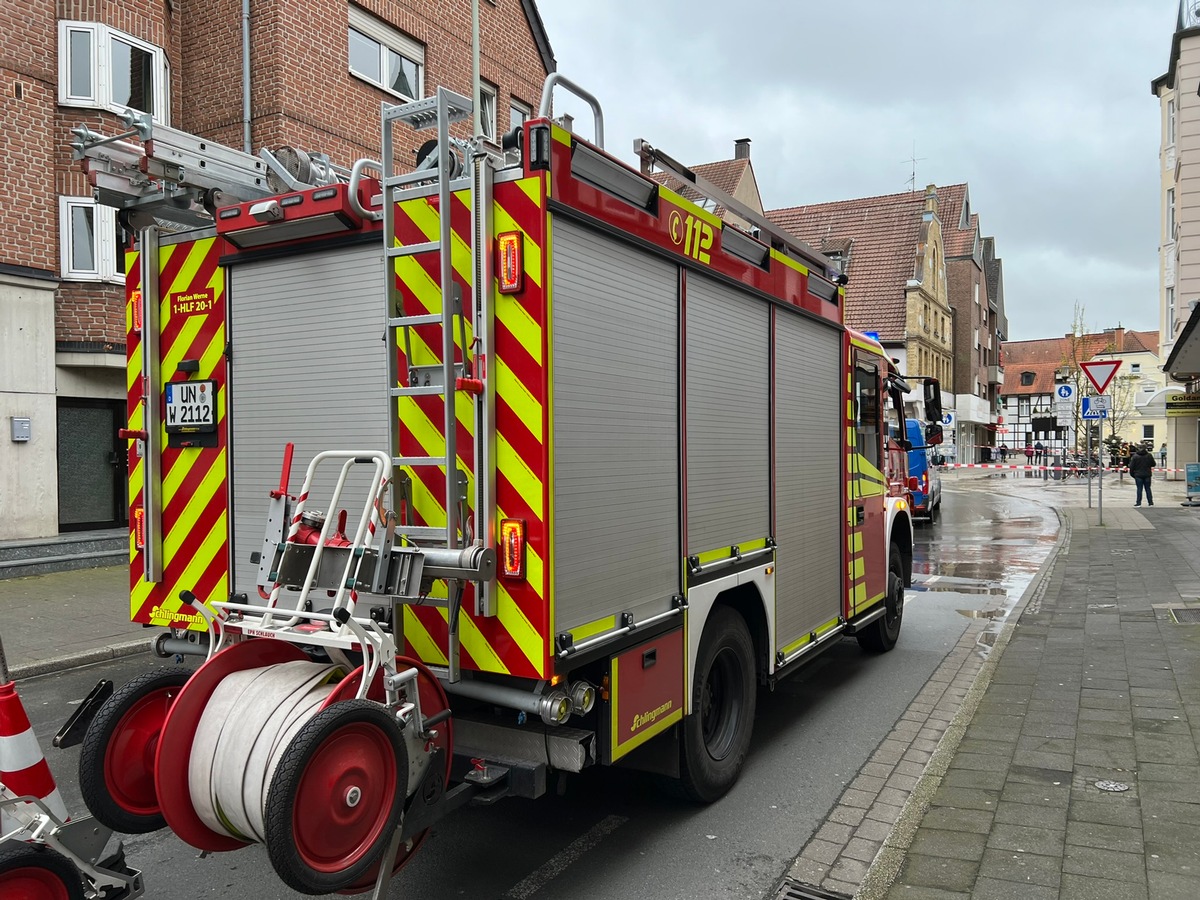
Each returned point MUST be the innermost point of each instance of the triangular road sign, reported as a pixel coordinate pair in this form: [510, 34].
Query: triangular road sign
[1100, 372]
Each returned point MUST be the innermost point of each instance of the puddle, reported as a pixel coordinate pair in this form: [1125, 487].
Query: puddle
[983, 613]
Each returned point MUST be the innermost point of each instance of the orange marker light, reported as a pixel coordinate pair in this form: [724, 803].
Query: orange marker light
[511, 270]
[512, 548]
[139, 527]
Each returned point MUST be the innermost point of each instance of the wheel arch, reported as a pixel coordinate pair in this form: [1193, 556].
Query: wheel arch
[902, 536]
[747, 601]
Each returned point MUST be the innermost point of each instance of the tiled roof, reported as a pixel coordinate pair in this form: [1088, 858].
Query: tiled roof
[957, 240]
[1043, 357]
[725, 174]
[882, 234]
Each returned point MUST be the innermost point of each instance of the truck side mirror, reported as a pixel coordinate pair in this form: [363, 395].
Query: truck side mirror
[933, 434]
[933, 401]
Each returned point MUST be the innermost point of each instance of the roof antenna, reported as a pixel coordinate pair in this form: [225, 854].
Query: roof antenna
[914, 159]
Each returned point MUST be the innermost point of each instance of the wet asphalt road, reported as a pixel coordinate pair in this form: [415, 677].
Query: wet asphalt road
[613, 834]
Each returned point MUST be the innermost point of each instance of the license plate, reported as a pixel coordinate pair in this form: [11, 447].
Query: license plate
[191, 406]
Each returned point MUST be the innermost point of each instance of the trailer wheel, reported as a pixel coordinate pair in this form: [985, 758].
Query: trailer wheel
[116, 762]
[35, 872]
[716, 737]
[881, 635]
[336, 798]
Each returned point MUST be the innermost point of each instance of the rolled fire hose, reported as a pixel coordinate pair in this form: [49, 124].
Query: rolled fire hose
[243, 732]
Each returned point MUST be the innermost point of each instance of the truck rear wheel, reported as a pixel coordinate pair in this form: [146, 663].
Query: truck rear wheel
[35, 872]
[881, 635]
[116, 762]
[715, 738]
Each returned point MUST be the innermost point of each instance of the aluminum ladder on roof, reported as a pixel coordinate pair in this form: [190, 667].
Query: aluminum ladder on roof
[445, 169]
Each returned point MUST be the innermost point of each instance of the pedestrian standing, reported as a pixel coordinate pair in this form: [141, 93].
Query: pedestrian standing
[1141, 467]
[1038, 451]
[1162, 455]
[1004, 453]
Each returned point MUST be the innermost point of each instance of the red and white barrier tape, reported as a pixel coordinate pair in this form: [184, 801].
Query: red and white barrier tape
[1006, 466]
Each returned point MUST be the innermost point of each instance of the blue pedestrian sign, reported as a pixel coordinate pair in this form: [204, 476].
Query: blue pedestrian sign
[1065, 392]
[1094, 410]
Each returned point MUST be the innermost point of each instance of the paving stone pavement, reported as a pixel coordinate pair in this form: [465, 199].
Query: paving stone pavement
[1097, 683]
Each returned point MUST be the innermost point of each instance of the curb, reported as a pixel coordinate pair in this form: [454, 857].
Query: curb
[887, 863]
[83, 658]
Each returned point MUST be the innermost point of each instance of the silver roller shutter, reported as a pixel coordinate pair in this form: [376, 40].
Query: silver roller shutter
[615, 314]
[728, 416]
[809, 511]
[309, 367]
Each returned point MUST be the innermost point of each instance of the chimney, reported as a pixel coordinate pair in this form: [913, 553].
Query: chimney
[931, 198]
[741, 148]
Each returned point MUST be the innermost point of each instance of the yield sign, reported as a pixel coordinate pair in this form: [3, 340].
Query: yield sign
[1100, 372]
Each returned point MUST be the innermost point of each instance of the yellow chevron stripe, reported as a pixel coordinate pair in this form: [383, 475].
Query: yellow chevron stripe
[428, 221]
[858, 567]
[519, 475]
[422, 642]
[533, 188]
[515, 622]
[183, 343]
[519, 399]
[532, 250]
[520, 325]
[856, 542]
[187, 272]
[214, 479]
[206, 551]
[474, 643]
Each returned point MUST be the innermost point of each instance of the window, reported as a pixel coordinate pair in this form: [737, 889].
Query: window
[91, 242]
[1022, 406]
[1147, 432]
[1135, 368]
[518, 114]
[1026, 379]
[487, 111]
[1170, 122]
[102, 67]
[866, 394]
[1170, 311]
[385, 57]
[975, 288]
[1170, 214]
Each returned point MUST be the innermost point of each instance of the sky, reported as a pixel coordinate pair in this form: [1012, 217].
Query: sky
[1043, 108]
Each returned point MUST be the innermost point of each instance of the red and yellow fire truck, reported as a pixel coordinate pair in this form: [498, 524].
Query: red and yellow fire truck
[575, 518]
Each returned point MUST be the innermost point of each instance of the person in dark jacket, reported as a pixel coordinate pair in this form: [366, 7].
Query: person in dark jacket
[1141, 467]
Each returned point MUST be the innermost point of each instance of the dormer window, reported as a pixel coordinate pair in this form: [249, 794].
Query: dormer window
[1026, 379]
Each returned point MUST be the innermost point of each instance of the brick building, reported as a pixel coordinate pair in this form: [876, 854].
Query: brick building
[318, 72]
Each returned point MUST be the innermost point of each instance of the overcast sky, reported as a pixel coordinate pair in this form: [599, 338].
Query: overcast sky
[1043, 108]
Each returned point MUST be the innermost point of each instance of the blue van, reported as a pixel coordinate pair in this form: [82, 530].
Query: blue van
[928, 495]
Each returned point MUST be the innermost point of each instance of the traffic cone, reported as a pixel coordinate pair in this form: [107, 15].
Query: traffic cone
[23, 768]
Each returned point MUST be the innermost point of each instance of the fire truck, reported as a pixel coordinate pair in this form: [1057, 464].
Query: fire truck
[511, 464]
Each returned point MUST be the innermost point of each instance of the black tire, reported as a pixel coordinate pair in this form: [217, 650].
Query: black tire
[116, 762]
[881, 635]
[35, 872]
[312, 851]
[715, 738]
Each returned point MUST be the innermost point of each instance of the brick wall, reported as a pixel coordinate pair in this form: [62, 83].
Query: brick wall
[969, 363]
[28, 86]
[302, 92]
[90, 312]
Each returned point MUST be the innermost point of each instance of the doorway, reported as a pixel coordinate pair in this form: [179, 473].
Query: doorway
[92, 465]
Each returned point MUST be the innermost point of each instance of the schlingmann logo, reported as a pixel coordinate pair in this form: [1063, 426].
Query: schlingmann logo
[643, 719]
[158, 612]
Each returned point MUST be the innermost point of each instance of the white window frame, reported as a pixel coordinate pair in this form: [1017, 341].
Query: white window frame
[1170, 214]
[108, 266]
[388, 38]
[1170, 312]
[1135, 368]
[521, 107]
[1170, 123]
[101, 38]
[488, 127]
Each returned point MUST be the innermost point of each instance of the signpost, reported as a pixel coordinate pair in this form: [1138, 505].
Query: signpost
[1100, 372]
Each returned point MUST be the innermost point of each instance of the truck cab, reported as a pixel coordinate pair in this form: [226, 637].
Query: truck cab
[927, 496]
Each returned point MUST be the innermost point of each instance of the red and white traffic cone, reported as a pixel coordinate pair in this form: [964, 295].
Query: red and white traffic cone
[23, 768]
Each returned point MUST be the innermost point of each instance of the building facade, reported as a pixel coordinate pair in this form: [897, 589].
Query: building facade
[314, 78]
[1179, 224]
[1038, 369]
[890, 248]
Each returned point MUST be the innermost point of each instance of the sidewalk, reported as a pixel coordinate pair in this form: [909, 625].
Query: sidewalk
[66, 619]
[1072, 769]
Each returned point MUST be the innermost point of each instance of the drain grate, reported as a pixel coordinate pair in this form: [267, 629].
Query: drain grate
[1185, 615]
[796, 890]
